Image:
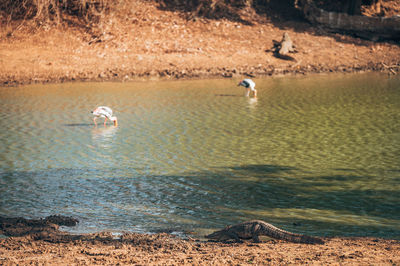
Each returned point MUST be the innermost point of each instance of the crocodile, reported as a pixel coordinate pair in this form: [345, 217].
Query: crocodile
[255, 228]
[282, 48]
[286, 45]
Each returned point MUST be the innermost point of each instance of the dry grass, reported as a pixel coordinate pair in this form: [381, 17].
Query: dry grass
[92, 13]
[38, 14]
[53, 10]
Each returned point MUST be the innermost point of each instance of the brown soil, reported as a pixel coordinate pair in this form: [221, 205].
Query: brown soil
[40, 242]
[154, 42]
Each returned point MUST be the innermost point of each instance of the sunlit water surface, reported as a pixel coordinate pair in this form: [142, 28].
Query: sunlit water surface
[317, 155]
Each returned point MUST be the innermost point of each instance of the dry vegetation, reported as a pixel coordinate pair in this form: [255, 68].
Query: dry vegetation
[53, 10]
[91, 13]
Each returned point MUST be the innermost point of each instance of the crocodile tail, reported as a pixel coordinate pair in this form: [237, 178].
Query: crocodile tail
[311, 240]
[278, 233]
[298, 238]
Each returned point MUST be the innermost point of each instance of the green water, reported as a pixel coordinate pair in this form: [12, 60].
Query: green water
[317, 155]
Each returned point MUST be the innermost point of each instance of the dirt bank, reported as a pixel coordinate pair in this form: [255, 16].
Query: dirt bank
[151, 42]
[162, 249]
[40, 242]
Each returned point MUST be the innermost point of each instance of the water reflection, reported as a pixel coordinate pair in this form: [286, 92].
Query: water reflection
[103, 136]
[252, 102]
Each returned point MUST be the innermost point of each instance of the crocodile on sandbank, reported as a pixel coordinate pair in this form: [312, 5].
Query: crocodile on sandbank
[283, 48]
[254, 229]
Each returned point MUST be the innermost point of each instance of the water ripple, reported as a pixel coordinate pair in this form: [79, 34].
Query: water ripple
[320, 151]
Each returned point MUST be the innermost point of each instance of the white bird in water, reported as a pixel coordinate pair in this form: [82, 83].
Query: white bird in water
[249, 85]
[106, 112]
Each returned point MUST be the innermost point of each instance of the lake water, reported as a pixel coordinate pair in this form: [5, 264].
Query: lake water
[317, 155]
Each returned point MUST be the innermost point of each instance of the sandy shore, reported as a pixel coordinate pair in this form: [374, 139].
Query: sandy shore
[133, 249]
[41, 242]
[154, 43]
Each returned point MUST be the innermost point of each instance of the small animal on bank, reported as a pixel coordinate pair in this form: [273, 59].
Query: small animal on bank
[255, 228]
[249, 85]
[283, 48]
[106, 112]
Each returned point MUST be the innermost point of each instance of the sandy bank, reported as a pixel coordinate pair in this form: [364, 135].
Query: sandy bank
[40, 242]
[133, 249]
[163, 44]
